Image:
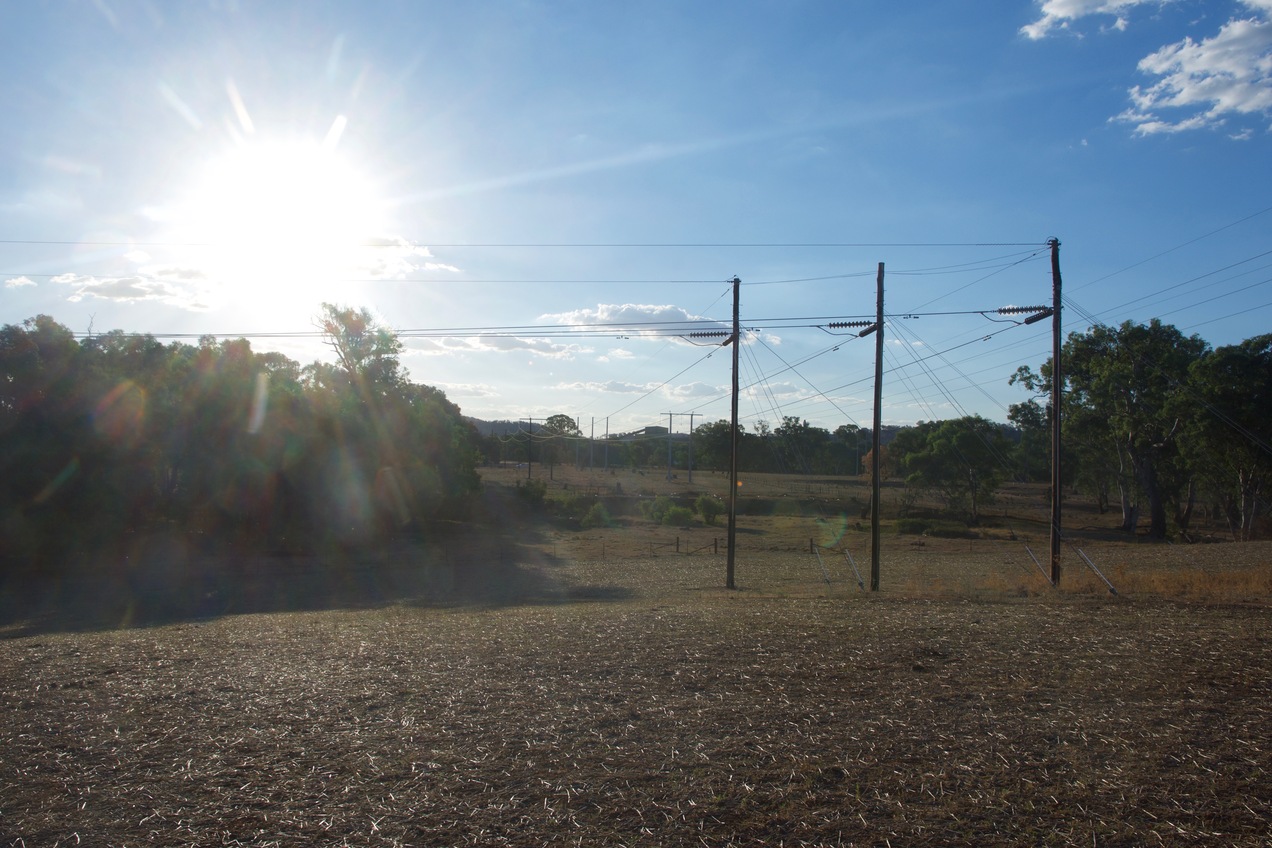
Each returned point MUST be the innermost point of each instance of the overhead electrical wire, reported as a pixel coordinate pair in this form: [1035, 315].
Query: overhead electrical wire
[759, 338]
[1217, 297]
[533, 245]
[692, 365]
[1159, 292]
[672, 330]
[948, 394]
[1179, 246]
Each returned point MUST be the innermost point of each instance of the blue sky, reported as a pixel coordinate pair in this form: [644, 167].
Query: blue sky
[544, 188]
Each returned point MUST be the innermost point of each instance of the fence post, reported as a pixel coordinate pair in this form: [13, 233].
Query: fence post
[677, 544]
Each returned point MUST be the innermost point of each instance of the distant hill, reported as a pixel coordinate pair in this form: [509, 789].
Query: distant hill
[501, 428]
[504, 428]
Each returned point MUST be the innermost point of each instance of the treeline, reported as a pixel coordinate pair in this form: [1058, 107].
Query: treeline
[1154, 423]
[1160, 425]
[110, 437]
[793, 447]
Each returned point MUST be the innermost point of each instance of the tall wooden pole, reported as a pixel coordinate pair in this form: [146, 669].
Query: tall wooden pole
[736, 340]
[1057, 381]
[877, 442]
[669, 445]
[691, 415]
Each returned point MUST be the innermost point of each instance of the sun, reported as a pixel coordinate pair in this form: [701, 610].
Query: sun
[276, 221]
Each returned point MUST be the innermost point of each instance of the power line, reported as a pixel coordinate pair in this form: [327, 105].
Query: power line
[1180, 246]
[549, 245]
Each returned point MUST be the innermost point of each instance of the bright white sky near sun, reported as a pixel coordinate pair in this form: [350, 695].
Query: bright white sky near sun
[225, 167]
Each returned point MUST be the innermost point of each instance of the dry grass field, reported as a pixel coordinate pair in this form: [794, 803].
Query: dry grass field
[525, 682]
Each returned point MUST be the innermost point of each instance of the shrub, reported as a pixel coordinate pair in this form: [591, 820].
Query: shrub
[938, 529]
[678, 515]
[656, 509]
[576, 504]
[663, 510]
[709, 508]
[597, 516]
[532, 491]
[911, 526]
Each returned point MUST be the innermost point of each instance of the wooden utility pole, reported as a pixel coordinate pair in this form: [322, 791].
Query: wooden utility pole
[529, 443]
[1057, 382]
[690, 457]
[876, 440]
[691, 416]
[736, 341]
[669, 445]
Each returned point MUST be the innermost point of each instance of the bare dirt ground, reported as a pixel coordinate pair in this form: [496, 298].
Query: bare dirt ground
[534, 684]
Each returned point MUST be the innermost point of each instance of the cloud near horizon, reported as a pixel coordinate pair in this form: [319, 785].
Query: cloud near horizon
[609, 386]
[546, 348]
[637, 319]
[132, 288]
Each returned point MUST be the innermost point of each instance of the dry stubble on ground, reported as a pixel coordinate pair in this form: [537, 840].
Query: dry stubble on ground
[637, 703]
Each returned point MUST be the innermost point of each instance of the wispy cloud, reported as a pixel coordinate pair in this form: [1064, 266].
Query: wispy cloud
[543, 348]
[618, 387]
[18, 282]
[617, 353]
[1060, 14]
[132, 289]
[690, 391]
[468, 390]
[634, 319]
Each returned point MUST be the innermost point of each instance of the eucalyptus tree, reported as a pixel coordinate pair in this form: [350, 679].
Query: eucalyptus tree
[1230, 441]
[962, 461]
[1125, 408]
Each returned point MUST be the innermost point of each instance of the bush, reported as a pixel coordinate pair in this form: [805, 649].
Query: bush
[911, 526]
[532, 491]
[656, 509]
[663, 510]
[678, 515]
[709, 508]
[597, 516]
[937, 529]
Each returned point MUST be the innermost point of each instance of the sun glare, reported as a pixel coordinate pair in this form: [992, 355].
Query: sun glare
[282, 221]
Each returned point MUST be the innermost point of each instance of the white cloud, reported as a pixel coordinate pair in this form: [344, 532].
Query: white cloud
[696, 390]
[1059, 14]
[1209, 80]
[609, 386]
[1201, 83]
[131, 289]
[616, 353]
[397, 257]
[479, 390]
[779, 389]
[544, 348]
[633, 318]
[17, 282]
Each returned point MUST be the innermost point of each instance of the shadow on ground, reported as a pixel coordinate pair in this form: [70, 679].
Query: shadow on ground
[166, 579]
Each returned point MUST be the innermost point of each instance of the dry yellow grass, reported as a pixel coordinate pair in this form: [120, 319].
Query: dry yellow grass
[535, 685]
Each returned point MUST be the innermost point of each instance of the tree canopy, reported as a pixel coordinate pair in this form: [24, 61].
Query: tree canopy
[1167, 422]
[106, 438]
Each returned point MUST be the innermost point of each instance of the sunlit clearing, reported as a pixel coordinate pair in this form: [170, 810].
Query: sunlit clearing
[281, 222]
